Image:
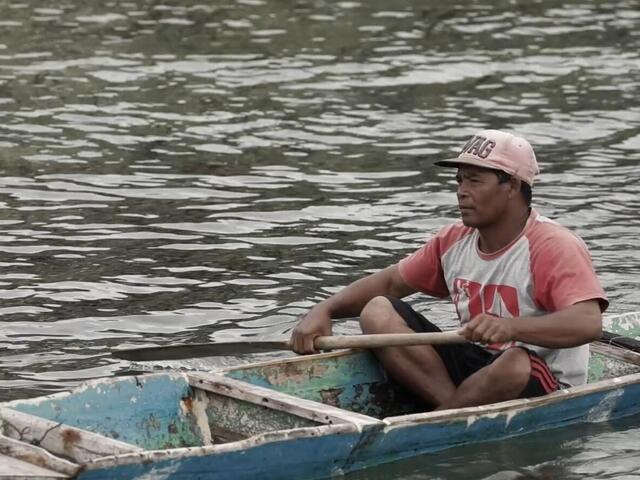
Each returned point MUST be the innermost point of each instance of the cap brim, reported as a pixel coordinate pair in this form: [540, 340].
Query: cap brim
[456, 162]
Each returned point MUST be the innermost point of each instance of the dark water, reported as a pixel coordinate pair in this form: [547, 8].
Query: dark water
[181, 171]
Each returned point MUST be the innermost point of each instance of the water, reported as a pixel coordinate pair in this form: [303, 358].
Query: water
[183, 172]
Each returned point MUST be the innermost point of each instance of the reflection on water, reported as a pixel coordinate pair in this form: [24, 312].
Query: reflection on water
[182, 172]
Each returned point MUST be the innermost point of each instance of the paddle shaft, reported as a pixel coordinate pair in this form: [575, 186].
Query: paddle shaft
[176, 352]
[386, 340]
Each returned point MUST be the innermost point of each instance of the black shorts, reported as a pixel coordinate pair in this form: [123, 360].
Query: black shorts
[464, 359]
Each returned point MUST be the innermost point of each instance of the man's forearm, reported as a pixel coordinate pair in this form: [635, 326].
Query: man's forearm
[575, 325]
[350, 301]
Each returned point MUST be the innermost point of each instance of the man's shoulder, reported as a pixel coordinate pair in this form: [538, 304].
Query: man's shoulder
[545, 231]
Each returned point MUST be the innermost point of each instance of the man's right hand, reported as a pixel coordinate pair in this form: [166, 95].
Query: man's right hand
[314, 323]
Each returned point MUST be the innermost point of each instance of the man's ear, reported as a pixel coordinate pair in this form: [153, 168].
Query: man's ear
[514, 186]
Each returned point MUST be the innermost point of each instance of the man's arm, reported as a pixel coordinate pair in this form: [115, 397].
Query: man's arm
[575, 325]
[347, 303]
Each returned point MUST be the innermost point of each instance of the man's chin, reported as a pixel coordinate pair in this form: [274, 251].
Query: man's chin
[468, 221]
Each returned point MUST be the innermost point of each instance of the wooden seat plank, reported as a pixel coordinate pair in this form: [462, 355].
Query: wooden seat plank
[320, 412]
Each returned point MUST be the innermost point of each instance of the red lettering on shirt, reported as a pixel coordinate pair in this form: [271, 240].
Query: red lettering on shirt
[478, 298]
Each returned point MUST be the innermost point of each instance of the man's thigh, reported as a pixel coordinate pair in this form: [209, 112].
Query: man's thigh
[461, 360]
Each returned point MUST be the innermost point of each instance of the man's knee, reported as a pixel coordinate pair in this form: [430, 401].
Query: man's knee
[513, 368]
[378, 316]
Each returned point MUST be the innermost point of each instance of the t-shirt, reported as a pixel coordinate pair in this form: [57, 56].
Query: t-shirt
[545, 269]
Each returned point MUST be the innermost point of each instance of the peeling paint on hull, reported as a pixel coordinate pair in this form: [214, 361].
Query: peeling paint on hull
[330, 452]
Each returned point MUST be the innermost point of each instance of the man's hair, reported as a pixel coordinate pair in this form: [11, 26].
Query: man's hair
[525, 188]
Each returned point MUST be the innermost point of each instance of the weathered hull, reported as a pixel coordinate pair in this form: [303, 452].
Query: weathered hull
[305, 418]
[322, 452]
[300, 455]
[418, 434]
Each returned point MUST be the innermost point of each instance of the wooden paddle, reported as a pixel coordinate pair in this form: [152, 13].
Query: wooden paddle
[176, 352]
[194, 350]
[628, 343]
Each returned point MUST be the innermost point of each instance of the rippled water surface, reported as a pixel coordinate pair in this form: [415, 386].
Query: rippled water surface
[183, 172]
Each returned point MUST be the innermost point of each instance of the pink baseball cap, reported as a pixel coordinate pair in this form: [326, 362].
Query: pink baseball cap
[500, 151]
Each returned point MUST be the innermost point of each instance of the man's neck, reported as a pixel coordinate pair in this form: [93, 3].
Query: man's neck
[497, 236]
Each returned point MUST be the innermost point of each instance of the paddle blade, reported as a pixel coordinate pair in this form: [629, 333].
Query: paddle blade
[620, 341]
[178, 352]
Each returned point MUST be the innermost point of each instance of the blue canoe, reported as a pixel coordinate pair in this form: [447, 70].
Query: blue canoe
[305, 417]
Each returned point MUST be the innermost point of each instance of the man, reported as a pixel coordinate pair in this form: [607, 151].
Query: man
[523, 287]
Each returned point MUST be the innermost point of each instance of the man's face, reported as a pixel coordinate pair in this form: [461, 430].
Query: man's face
[481, 199]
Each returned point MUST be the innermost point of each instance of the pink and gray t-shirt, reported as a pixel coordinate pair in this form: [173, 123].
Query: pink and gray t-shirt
[545, 269]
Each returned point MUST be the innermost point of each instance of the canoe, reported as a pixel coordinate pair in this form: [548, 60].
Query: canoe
[307, 417]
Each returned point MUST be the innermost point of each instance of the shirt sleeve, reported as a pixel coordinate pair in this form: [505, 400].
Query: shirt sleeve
[422, 270]
[563, 273]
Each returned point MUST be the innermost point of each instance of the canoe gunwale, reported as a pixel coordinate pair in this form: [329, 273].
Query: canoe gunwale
[87, 384]
[146, 456]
